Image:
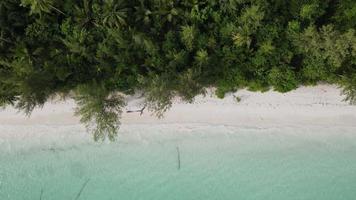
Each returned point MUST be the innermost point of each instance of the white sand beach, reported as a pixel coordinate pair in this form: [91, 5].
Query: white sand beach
[318, 105]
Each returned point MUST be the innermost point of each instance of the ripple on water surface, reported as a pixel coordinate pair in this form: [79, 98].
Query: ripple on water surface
[181, 162]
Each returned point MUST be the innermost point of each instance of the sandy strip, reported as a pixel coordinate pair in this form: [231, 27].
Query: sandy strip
[319, 105]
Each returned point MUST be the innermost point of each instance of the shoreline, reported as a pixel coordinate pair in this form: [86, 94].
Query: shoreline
[317, 105]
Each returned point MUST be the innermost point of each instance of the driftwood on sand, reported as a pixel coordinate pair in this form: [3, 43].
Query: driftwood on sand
[140, 110]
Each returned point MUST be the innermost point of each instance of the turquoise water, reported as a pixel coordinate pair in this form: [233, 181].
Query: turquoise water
[216, 162]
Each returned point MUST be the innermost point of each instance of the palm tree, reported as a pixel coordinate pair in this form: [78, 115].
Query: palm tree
[142, 13]
[115, 13]
[84, 16]
[39, 6]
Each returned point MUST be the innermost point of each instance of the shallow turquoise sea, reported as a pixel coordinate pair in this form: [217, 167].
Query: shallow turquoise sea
[180, 162]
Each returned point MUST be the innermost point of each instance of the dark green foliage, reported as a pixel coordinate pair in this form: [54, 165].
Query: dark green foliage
[349, 89]
[99, 109]
[100, 49]
[282, 79]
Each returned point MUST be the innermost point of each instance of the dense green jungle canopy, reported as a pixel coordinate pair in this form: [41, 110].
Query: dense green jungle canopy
[97, 50]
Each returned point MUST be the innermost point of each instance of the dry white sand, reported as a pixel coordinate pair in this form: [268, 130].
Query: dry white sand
[318, 105]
